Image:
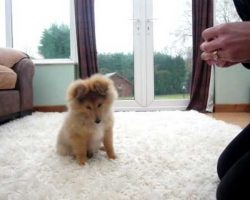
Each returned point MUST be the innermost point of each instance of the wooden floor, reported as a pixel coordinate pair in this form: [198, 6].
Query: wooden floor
[237, 118]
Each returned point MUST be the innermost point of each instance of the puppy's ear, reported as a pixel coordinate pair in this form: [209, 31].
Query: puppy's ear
[77, 90]
[101, 87]
[80, 92]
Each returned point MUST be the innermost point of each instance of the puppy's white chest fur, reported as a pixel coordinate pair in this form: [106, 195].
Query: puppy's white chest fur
[97, 138]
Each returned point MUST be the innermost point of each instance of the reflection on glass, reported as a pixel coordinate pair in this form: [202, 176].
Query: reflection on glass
[172, 49]
[114, 39]
[41, 29]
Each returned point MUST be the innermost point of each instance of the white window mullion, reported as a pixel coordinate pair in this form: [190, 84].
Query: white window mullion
[139, 102]
[73, 43]
[152, 104]
[149, 52]
[139, 52]
[8, 23]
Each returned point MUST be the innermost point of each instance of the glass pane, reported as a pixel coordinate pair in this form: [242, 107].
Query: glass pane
[2, 23]
[172, 48]
[225, 12]
[114, 38]
[41, 28]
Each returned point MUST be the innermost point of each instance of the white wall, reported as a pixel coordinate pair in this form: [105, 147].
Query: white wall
[50, 83]
[232, 85]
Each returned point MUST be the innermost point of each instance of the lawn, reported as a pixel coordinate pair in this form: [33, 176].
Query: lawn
[172, 96]
[163, 97]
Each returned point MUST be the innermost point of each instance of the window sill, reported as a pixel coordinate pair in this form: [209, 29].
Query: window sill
[54, 62]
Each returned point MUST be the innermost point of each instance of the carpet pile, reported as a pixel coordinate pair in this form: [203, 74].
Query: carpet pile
[168, 155]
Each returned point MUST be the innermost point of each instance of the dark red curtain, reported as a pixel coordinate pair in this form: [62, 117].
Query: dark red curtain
[86, 41]
[202, 14]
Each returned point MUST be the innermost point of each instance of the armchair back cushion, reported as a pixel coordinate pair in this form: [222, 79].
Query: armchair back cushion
[9, 57]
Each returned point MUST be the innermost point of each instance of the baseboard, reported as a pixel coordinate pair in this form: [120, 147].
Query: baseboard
[232, 108]
[57, 108]
[217, 108]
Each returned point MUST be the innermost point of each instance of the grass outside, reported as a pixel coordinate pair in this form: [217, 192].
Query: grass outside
[163, 97]
[173, 96]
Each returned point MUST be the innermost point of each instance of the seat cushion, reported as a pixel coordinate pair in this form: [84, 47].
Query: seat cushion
[9, 57]
[9, 102]
[8, 78]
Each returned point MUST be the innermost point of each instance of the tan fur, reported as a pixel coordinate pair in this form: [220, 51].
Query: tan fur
[89, 121]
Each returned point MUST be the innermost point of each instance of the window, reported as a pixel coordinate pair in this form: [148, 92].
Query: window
[114, 35]
[225, 12]
[148, 43]
[41, 28]
[143, 45]
[172, 49]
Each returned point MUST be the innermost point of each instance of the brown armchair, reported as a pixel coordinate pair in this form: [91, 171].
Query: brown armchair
[16, 92]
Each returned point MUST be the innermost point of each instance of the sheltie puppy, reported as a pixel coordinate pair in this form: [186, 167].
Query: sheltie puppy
[89, 120]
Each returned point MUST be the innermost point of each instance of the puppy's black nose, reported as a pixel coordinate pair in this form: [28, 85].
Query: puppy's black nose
[97, 121]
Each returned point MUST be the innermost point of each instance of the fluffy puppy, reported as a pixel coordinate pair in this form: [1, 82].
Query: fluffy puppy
[89, 121]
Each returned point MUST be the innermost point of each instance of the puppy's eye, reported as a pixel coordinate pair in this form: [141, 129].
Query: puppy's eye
[80, 100]
[99, 105]
[88, 107]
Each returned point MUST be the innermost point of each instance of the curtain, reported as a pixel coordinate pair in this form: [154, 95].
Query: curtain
[85, 35]
[202, 17]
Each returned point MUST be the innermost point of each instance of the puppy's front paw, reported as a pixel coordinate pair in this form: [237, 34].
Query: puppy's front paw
[81, 160]
[112, 156]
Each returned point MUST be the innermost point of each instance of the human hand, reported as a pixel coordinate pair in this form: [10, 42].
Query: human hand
[226, 44]
[212, 59]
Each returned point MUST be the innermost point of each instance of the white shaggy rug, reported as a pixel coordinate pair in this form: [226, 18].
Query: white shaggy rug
[168, 155]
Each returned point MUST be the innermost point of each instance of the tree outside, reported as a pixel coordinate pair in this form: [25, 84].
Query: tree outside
[177, 76]
[121, 63]
[225, 12]
[55, 42]
[169, 74]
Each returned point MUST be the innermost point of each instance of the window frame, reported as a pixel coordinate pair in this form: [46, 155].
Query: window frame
[143, 56]
[9, 36]
[152, 103]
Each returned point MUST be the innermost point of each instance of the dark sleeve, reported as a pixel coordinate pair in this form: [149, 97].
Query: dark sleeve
[246, 65]
[243, 9]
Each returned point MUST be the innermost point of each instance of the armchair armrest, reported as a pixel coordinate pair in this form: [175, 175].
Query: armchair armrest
[25, 72]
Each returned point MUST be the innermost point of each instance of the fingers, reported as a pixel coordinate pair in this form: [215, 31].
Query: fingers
[215, 55]
[207, 56]
[210, 33]
[211, 45]
[210, 59]
[211, 37]
[217, 47]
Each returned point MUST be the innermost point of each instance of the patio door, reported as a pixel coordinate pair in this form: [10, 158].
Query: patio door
[144, 46]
